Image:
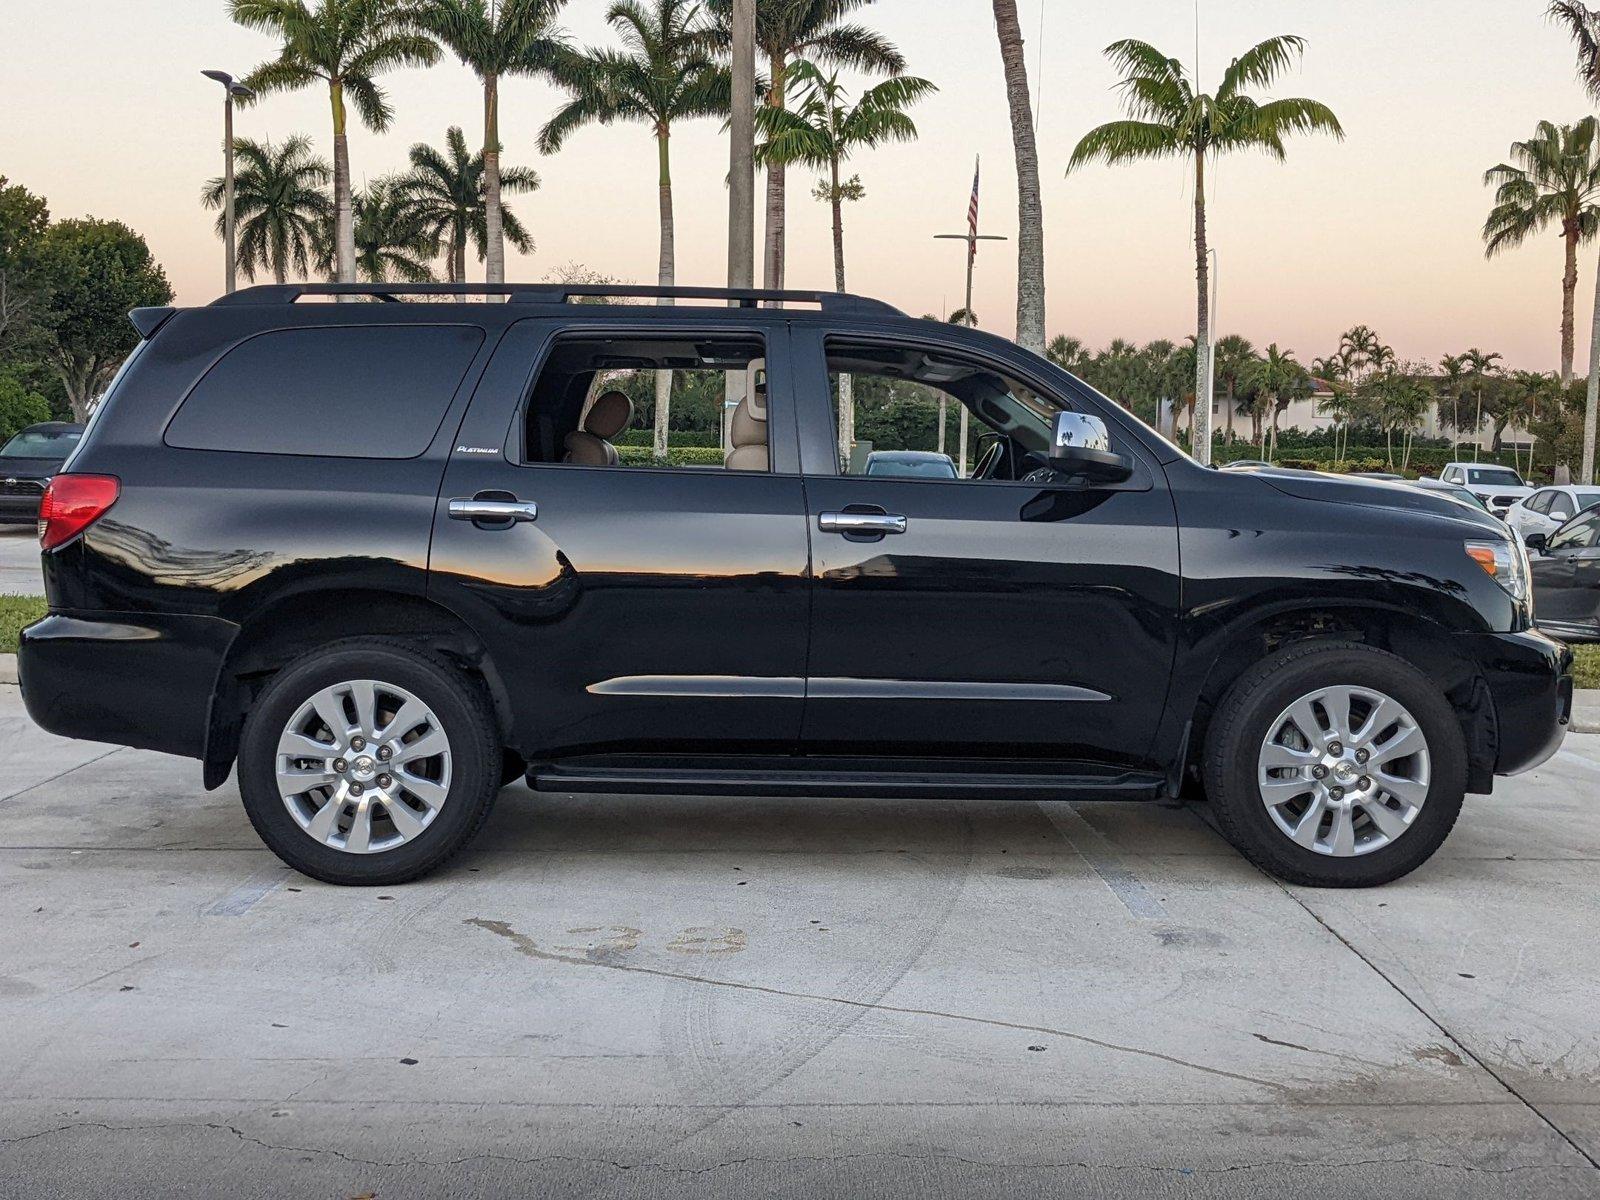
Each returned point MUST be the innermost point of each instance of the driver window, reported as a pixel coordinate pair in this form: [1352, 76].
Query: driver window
[1560, 506]
[1580, 535]
[898, 414]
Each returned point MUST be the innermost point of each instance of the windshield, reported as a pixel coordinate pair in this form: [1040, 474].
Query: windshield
[1470, 497]
[41, 443]
[1495, 476]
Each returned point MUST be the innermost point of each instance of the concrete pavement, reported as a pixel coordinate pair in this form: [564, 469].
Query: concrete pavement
[19, 561]
[628, 996]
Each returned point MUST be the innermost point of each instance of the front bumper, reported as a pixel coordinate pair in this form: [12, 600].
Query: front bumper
[19, 510]
[1529, 681]
[132, 679]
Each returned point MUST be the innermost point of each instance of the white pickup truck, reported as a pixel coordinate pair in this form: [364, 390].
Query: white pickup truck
[1497, 487]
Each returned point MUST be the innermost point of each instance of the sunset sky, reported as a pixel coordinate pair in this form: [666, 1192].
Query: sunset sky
[104, 112]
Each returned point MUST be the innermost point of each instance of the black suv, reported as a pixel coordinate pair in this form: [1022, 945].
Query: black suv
[27, 461]
[387, 554]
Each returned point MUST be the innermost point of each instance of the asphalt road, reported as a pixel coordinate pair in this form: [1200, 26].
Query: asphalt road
[19, 561]
[624, 996]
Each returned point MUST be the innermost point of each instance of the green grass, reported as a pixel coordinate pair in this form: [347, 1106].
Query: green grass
[1586, 671]
[15, 612]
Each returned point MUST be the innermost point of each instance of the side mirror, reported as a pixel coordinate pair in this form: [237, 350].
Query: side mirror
[1536, 542]
[1081, 447]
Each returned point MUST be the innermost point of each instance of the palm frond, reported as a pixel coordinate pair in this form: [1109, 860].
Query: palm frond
[1261, 65]
[1125, 141]
[1583, 24]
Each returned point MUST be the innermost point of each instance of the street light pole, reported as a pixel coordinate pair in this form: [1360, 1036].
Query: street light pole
[971, 238]
[232, 90]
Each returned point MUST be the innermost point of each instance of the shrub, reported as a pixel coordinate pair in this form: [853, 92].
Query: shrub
[19, 407]
[677, 456]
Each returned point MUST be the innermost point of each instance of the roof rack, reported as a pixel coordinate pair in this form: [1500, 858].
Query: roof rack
[556, 293]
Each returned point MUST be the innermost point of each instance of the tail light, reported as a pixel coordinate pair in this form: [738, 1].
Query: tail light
[72, 503]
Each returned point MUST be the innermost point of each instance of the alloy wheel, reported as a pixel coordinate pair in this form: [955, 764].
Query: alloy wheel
[363, 766]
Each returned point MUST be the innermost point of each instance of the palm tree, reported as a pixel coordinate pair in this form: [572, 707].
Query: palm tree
[825, 129]
[1479, 367]
[1553, 179]
[392, 240]
[1030, 204]
[786, 31]
[666, 73]
[279, 198]
[1068, 353]
[345, 44]
[1452, 382]
[1280, 378]
[823, 132]
[496, 38]
[1169, 117]
[1583, 23]
[446, 191]
[1234, 356]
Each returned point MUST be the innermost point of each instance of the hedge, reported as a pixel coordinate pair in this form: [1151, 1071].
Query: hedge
[678, 437]
[677, 456]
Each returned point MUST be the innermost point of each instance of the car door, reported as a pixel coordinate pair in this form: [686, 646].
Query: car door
[626, 609]
[990, 619]
[1566, 579]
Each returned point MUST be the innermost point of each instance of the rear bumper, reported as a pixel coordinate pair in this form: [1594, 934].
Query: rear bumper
[1529, 678]
[133, 679]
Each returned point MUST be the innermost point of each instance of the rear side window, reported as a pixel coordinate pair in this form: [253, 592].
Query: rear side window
[374, 391]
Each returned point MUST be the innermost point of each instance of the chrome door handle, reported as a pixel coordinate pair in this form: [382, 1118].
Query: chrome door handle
[493, 510]
[860, 522]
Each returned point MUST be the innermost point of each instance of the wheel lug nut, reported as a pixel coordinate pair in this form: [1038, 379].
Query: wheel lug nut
[1362, 756]
[1336, 793]
[340, 765]
[384, 781]
[1335, 748]
[384, 753]
[1364, 783]
[358, 743]
[1319, 772]
[356, 789]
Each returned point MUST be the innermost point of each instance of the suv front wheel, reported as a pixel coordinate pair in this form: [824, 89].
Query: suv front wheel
[369, 763]
[1335, 765]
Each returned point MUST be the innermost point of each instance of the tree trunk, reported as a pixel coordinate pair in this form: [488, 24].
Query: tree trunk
[665, 277]
[772, 263]
[847, 391]
[1591, 415]
[344, 221]
[1229, 413]
[1273, 457]
[1569, 293]
[1030, 205]
[1200, 441]
[494, 222]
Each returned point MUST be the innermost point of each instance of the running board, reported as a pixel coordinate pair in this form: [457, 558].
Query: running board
[909, 785]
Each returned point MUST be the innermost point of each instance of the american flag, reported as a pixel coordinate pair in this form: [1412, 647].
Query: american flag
[972, 215]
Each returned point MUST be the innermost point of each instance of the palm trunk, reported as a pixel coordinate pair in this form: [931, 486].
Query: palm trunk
[1273, 457]
[1591, 415]
[1030, 205]
[1200, 440]
[1569, 295]
[344, 221]
[665, 277]
[493, 219]
[772, 264]
[847, 395]
[1229, 413]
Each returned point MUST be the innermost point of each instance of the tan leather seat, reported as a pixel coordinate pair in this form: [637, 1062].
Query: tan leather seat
[609, 415]
[747, 434]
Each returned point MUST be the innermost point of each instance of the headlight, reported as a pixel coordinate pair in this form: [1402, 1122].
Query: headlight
[1506, 560]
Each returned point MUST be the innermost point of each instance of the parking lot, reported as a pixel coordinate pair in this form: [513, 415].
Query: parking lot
[656, 997]
[19, 561]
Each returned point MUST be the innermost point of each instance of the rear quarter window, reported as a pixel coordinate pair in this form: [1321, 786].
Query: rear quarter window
[343, 392]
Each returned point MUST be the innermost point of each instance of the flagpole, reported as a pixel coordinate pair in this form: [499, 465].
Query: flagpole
[972, 237]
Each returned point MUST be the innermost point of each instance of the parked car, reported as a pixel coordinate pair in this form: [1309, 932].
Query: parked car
[1244, 464]
[27, 461]
[1548, 509]
[1498, 487]
[381, 557]
[1566, 578]
[1454, 490]
[911, 464]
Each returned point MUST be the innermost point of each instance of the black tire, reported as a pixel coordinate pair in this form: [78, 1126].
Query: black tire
[463, 709]
[1241, 723]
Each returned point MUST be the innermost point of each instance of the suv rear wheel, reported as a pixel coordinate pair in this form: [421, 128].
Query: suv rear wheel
[1335, 765]
[369, 763]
